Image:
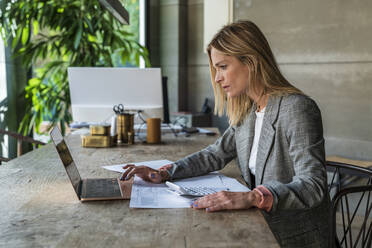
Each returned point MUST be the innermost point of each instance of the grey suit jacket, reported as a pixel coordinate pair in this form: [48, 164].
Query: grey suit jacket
[290, 163]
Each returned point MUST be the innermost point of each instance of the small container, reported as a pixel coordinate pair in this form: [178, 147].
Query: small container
[120, 128]
[125, 125]
[96, 141]
[99, 129]
[153, 130]
[130, 138]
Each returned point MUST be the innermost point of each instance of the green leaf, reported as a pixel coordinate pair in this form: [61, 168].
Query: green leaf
[35, 25]
[34, 82]
[87, 21]
[78, 36]
[91, 39]
[25, 35]
[17, 37]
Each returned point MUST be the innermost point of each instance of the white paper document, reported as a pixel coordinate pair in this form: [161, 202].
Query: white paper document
[155, 164]
[149, 195]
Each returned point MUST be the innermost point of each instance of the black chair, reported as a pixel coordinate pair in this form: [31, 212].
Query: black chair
[350, 189]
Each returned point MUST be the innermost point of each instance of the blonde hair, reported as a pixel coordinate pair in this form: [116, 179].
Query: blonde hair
[245, 41]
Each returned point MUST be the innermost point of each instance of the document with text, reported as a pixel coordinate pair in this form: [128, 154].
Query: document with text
[150, 195]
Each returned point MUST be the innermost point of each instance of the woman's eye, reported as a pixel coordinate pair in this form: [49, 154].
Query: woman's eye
[223, 67]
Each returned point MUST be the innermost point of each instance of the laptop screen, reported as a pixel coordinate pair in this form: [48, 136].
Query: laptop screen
[65, 155]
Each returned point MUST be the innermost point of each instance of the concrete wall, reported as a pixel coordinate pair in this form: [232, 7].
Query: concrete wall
[175, 42]
[167, 44]
[324, 48]
[198, 77]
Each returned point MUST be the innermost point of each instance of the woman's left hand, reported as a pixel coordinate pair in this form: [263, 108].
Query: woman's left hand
[228, 200]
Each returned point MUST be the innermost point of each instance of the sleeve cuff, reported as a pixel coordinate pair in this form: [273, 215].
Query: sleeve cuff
[165, 172]
[266, 202]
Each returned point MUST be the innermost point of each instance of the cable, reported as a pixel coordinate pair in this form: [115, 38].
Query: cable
[140, 115]
[173, 131]
[138, 132]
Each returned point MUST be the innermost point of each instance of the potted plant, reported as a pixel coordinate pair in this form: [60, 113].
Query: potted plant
[52, 35]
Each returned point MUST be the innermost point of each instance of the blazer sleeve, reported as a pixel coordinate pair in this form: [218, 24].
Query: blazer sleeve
[212, 158]
[304, 134]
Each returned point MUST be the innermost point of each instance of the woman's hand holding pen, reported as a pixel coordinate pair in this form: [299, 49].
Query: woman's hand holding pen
[228, 200]
[146, 173]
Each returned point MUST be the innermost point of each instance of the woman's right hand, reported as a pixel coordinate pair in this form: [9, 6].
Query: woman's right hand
[146, 173]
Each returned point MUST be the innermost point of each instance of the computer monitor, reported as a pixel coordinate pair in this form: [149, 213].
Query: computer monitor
[95, 90]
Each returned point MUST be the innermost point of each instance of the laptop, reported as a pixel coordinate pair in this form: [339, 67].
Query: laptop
[90, 189]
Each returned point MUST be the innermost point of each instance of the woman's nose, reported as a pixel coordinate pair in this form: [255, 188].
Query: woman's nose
[218, 77]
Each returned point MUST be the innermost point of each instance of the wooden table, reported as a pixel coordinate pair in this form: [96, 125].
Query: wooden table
[360, 163]
[39, 208]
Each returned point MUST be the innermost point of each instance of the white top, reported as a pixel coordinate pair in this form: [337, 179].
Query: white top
[257, 132]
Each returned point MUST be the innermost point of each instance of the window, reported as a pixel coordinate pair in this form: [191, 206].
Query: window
[2, 71]
[3, 94]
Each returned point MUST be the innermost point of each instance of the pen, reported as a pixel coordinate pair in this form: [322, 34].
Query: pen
[227, 188]
[121, 177]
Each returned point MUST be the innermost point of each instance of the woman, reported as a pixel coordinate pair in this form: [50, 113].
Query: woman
[275, 134]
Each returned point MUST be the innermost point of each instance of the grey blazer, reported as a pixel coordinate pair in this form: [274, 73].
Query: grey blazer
[290, 163]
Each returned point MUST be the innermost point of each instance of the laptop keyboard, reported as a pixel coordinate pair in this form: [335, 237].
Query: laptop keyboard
[101, 188]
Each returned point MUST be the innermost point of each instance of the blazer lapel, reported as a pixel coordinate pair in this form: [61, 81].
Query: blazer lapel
[266, 137]
[250, 128]
[244, 140]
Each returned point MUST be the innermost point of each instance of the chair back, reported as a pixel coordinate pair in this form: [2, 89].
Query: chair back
[350, 189]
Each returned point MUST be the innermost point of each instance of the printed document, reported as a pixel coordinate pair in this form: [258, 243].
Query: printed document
[151, 195]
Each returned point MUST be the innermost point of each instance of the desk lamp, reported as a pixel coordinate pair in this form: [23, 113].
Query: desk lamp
[117, 10]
